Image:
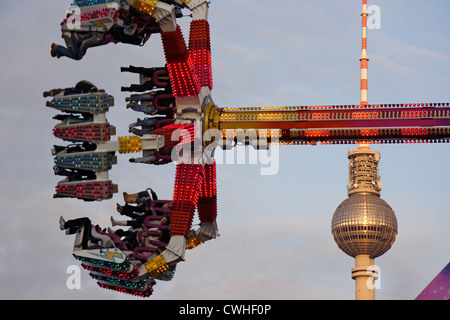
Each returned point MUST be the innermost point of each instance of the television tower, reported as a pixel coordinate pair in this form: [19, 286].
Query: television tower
[364, 226]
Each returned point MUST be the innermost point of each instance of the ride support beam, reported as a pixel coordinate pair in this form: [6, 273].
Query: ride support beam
[330, 124]
[199, 9]
[188, 183]
[200, 51]
[183, 79]
[207, 201]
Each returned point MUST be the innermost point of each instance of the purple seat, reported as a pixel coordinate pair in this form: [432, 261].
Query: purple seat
[116, 239]
[142, 253]
[148, 224]
[160, 83]
[154, 206]
[157, 101]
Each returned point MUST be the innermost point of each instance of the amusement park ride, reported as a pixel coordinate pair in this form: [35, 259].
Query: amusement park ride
[190, 137]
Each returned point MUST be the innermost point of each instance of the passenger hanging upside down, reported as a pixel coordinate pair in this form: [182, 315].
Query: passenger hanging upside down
[140, 197]
[91, 237]
[147, 124]
[75, 174]
[80, 42]
[74, 147]
[147, 72]
[127, 26]
[81, 87]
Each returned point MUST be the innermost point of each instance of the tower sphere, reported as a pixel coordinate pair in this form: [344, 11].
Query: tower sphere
[364, 224]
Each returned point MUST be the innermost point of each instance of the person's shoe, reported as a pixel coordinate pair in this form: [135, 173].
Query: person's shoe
[113, 222]
[62, 223]
[130, 198]
[53, 50]
[132, 160]
[119, 208]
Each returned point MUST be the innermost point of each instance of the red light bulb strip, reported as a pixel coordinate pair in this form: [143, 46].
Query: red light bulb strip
[113, 273]
[143, 294]
[188, 182]
[87, 132]
[369, 135]
[187, 134]
[86, 190]
[200, 51]
[179, 65]
[207, 201]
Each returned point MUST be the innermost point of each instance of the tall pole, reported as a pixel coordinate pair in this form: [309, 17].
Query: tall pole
[364, 279]
[364, 58]
[364, 273]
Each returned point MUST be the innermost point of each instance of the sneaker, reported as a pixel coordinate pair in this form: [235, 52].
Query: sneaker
[62, 223]
[119, 208]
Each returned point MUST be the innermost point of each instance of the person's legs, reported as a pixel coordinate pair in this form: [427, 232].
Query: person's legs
[72, 53]
[76, 223]
[140, 97]
[139, 132]
[139, 87]
[130, 211]
[140, 108]
[147, 72]
[146, 122]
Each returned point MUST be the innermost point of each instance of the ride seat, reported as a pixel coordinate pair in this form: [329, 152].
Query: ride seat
[162, 101]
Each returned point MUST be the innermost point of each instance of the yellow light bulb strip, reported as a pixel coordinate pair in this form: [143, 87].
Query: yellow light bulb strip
[156, 266]
[130, 144]
[145, 6]
[193, 242]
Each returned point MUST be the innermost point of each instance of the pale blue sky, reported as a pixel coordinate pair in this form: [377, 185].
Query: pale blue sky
[275, 240]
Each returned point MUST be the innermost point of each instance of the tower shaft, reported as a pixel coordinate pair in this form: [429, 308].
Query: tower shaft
[364, 58]
[364, 273]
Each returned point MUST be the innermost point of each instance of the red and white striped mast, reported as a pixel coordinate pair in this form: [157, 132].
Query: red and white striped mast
[364, 62]
[364, 58]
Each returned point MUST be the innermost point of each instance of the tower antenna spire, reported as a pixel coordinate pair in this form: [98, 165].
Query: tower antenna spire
[364, 58]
